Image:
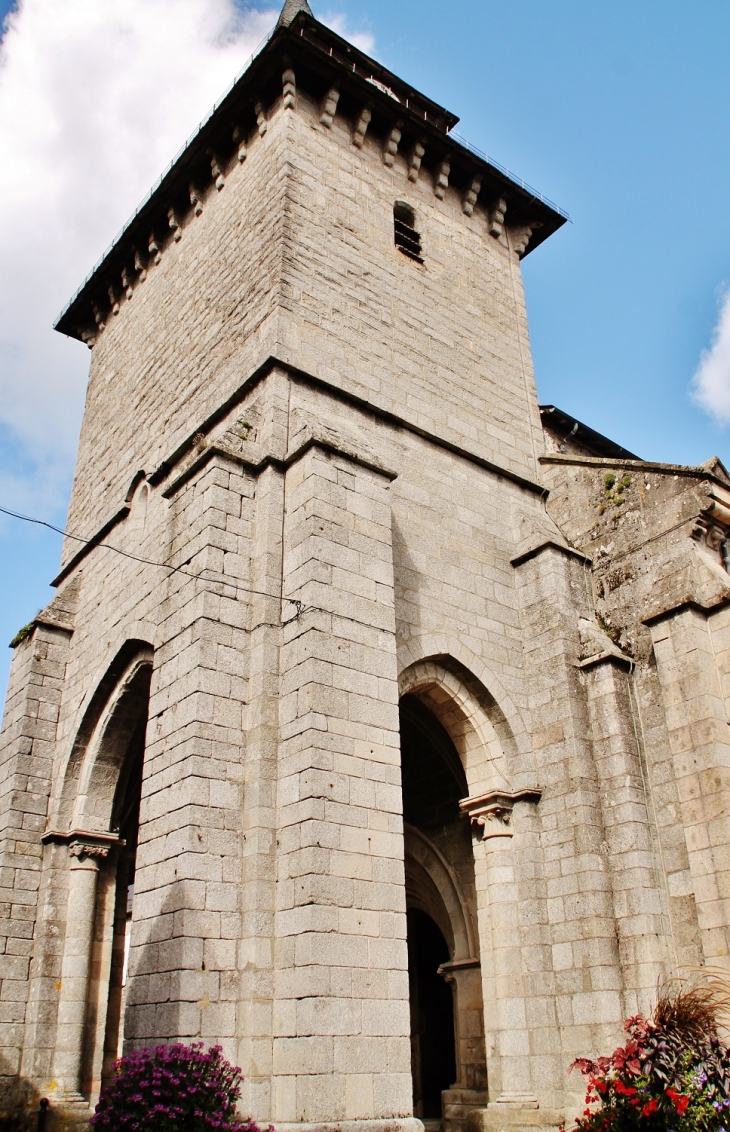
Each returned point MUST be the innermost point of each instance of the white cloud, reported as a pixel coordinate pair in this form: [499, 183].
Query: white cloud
[96, 97]
[363, 40]
[711, 383]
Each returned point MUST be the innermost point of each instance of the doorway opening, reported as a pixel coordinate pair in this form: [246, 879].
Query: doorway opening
[433, 1048]
[448, 1057]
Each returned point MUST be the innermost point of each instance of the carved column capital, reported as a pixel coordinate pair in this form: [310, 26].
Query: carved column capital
[85, 845]
[87, 850]
[491, 814]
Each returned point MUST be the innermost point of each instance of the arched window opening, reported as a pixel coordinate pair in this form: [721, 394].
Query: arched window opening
[407, 239]
[433, 1049]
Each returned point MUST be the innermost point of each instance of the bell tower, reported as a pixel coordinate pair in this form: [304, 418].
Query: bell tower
[308, 459]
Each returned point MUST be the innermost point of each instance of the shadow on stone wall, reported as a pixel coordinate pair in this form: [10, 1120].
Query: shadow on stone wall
[21, 1109]
[158, 961]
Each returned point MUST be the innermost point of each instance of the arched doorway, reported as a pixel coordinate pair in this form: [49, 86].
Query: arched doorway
[448, 1058]
[125, 821]
[99, 807]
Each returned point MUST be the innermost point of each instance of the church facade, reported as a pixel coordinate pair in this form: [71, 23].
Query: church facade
[378, 731]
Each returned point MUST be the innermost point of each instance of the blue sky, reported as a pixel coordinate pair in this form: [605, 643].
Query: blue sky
[619, 112]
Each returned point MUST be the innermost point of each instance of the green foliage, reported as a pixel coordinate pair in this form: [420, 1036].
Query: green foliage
[22, 634]
[614, 490]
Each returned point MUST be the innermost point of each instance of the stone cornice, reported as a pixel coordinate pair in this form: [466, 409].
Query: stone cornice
[177, 457]
[686, 604]
[550, 544]
[307, 57]
[94, 541]
[701, 471]
[623, 662]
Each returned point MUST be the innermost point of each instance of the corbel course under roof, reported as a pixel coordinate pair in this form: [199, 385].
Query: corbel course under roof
[321, 59]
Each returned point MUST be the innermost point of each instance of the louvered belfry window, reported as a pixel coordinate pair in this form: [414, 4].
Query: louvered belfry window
[407, 239]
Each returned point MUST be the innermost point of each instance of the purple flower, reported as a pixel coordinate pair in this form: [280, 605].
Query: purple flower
[169, 1088]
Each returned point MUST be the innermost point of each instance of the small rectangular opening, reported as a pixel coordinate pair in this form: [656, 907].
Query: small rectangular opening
[407, 239]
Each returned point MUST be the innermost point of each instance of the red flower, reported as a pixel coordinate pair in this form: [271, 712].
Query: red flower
[650, 1107]
[679, 1100]
[624, 1090]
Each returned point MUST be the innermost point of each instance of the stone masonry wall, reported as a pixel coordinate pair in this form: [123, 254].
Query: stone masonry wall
[343, 521]
[295, 257]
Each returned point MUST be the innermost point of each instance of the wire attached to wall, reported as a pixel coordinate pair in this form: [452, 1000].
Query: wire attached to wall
[300, 607]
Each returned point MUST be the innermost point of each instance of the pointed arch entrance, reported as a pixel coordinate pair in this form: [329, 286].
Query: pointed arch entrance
[98, 820]
[448, 1056]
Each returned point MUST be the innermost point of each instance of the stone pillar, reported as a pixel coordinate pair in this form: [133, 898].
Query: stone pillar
[341, 1015]
[510, 1078]
[575, 985]
[27, 751]
[636, 880]
[84, 860]
[258, 899]
[697, 725]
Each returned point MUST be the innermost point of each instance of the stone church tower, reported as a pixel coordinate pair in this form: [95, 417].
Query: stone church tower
[376, 733]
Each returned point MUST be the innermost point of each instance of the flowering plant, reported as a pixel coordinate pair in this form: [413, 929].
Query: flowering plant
[171, 1089]
[672, 1075]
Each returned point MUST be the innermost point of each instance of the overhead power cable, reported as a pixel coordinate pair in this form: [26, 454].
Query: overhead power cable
[301, 608]
[299, 605]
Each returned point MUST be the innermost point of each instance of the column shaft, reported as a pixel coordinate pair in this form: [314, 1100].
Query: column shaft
[83, 873]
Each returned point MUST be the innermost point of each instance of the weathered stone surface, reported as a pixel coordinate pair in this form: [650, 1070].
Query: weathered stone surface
[313, 476]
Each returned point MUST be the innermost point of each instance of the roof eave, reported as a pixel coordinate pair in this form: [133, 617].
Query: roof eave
[412, 106]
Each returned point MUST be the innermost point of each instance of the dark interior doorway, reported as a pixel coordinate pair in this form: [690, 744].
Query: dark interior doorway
[121, 867]
[433, 1050]
[433, 782]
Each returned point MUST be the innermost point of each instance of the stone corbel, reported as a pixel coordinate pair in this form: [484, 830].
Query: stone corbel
[470, 196]
[139, 267]
[713, 523]
[154, 250]
[98, 316]
[216, 171]
[239, 139]
[391, 146]
[414, 163]
[521, 236]
[195, 199]
[261, 120]
[289, 86]
[361, 127]
[127, 283]
[329, 107]
[175, 225]
[496, 218]
[441, 183]
[491, 813]
[114, 301]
